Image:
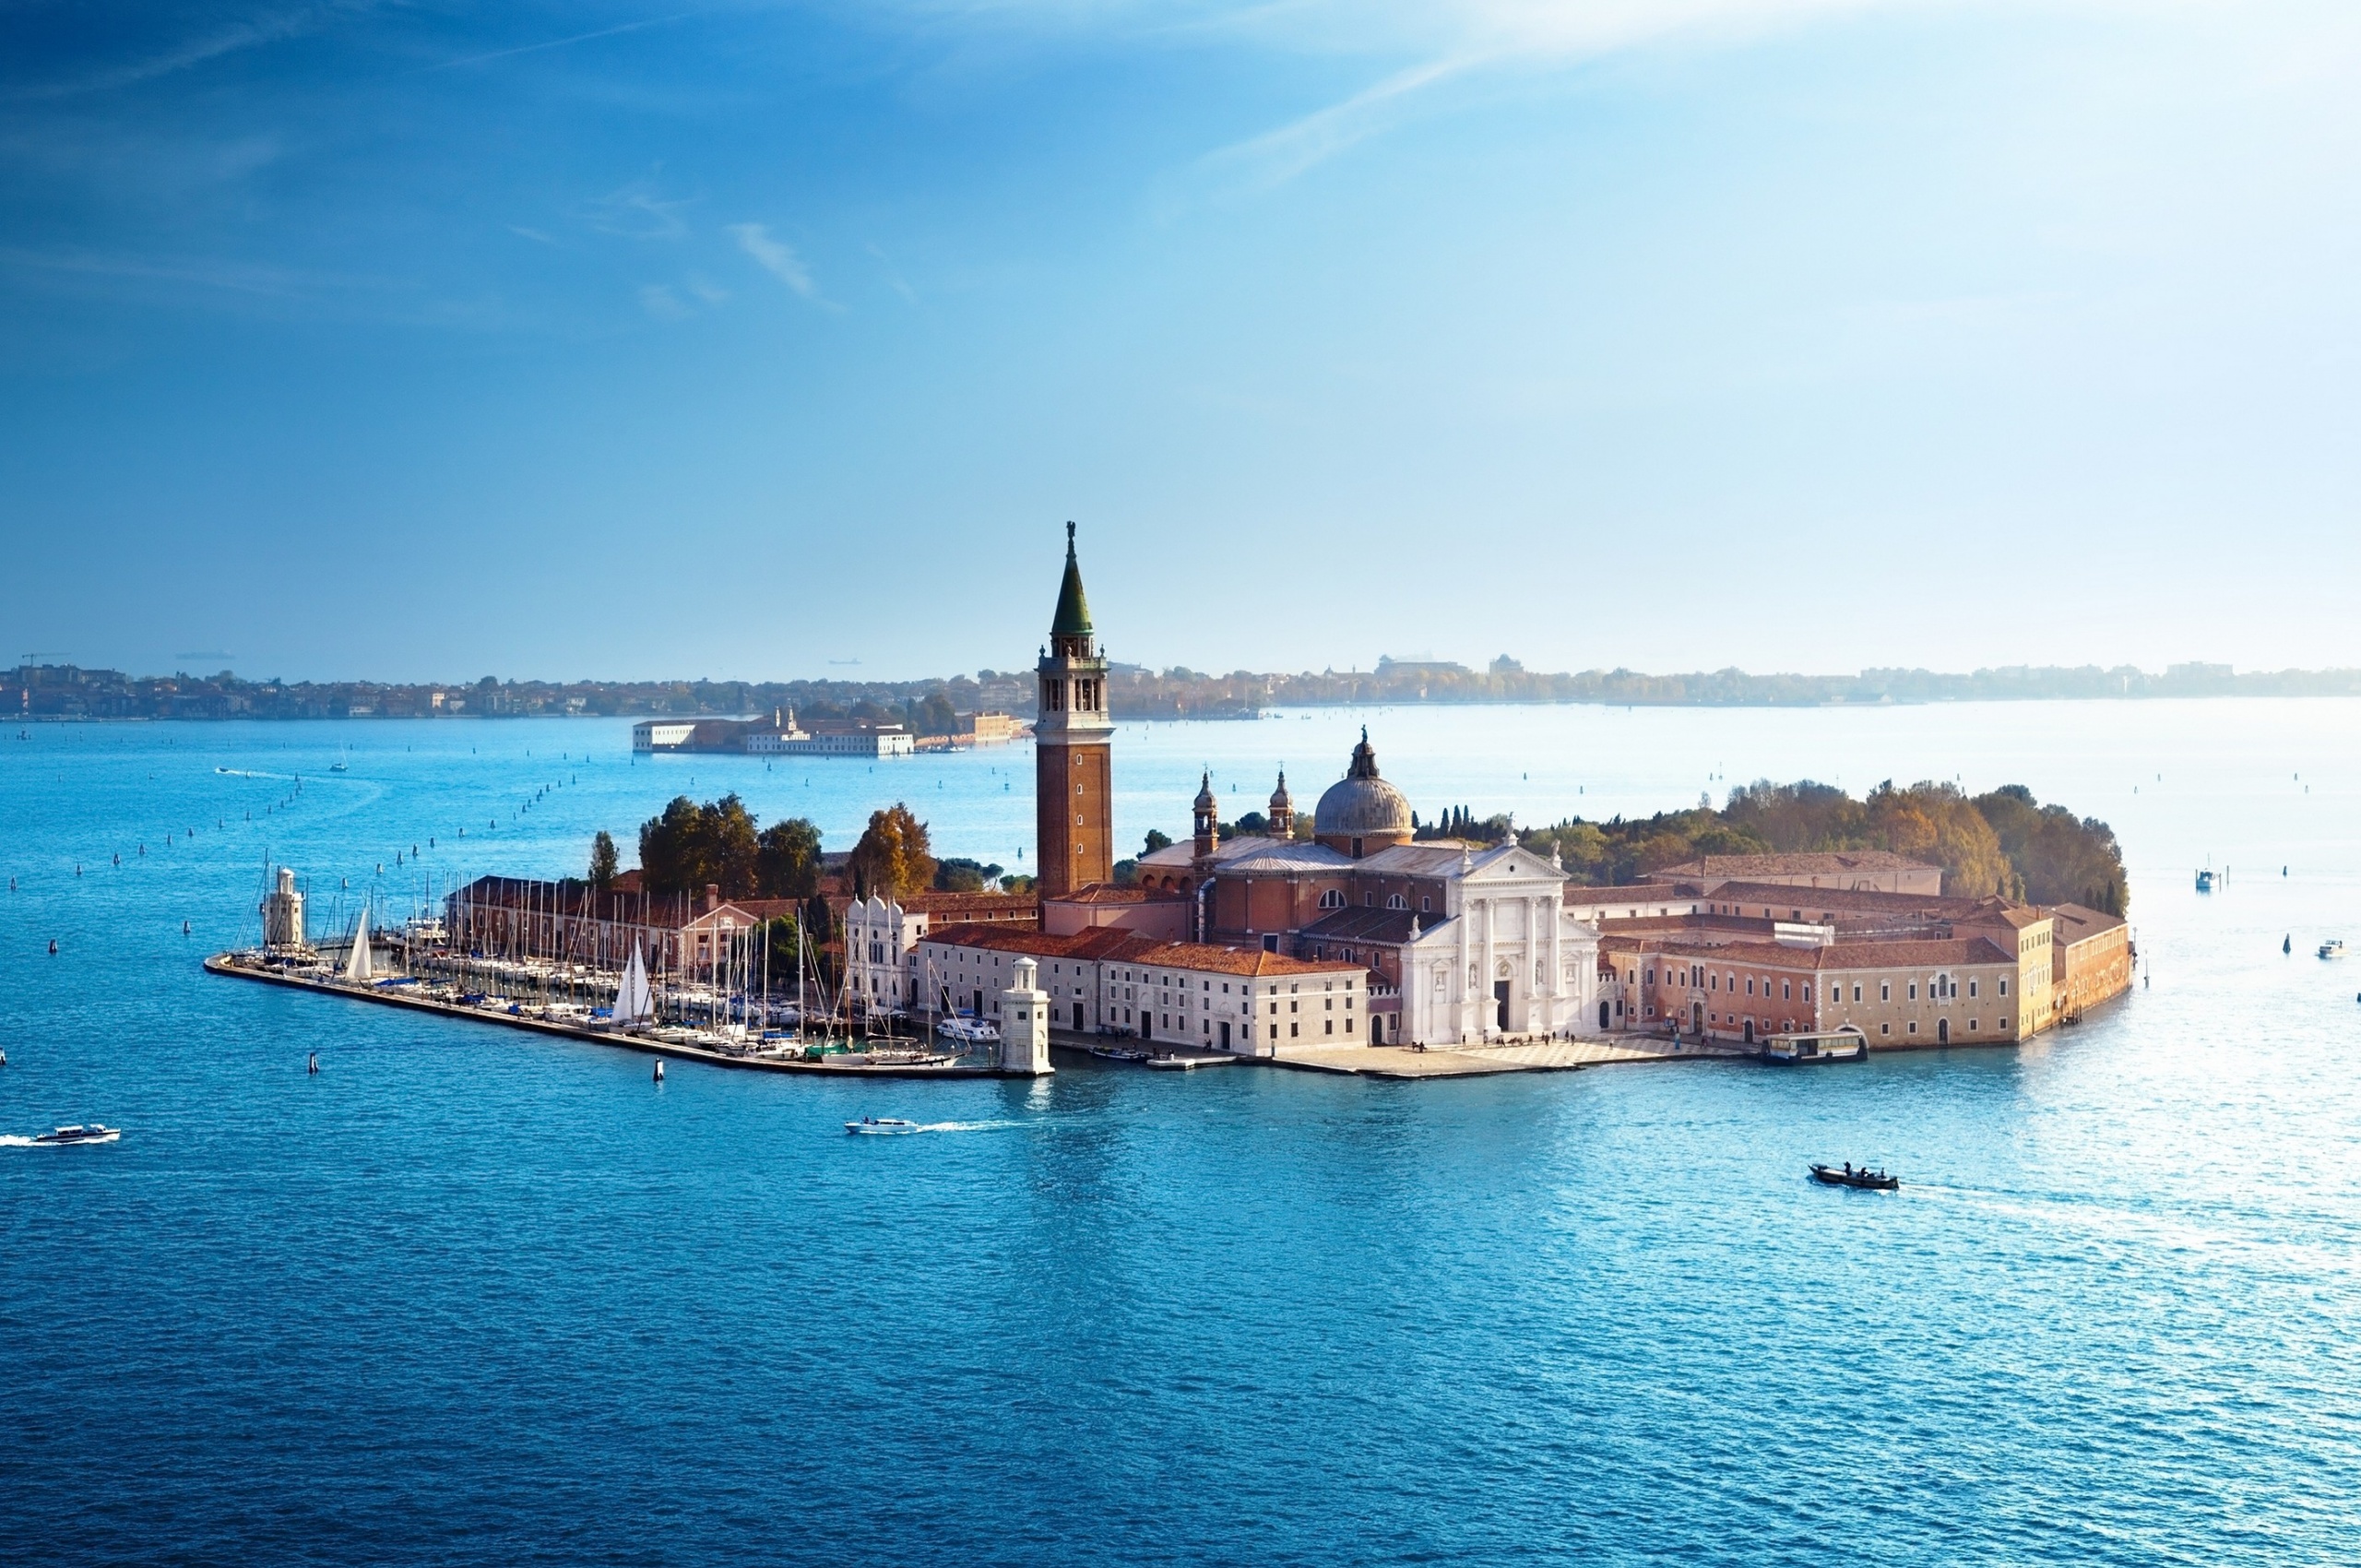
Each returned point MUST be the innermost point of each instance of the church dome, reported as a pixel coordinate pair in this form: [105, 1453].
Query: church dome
[1361, 806]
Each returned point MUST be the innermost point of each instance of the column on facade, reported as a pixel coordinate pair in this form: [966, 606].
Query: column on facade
[1484, 1014]
[1554, 912]
[1457, 991]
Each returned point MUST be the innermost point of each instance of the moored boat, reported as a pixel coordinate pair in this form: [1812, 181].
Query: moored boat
[1845, 1044]
[1863, 1180]
[1118, 1053]
[2331, 948]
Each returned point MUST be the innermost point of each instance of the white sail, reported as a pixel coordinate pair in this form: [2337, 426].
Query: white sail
[356, 963]
[632, 1000]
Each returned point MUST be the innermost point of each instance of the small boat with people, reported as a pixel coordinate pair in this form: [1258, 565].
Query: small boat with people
[1118, 1053]
[79, 1133]
[2205, 881]
[2333, 948]
[880, 1126]
[1848, 1043]
[1862, 1180]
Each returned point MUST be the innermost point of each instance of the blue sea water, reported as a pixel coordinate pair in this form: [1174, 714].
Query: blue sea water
[472, 1297]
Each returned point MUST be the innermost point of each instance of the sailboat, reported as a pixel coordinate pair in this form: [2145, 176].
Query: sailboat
[634, 1003]
[356, 963]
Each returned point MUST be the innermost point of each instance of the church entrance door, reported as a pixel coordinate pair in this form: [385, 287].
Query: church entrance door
[1077, 1018]
[1602, 1014]
[1500, 1006]
[1225, 1034]
[1697, 1018]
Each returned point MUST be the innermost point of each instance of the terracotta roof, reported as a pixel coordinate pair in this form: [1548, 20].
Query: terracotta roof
[1798, 864]
[1785, 897]
[1112, 892]
[1845, 956]
[1112, 945]
[1363, 925]
[2078, 923]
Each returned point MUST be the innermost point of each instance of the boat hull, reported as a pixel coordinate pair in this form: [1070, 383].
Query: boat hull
[1859, 1181]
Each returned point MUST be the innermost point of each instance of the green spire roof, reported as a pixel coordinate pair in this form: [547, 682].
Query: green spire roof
[1072, 619]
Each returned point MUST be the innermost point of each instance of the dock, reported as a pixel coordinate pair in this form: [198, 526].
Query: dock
[1401, 1061]
[511, 1015]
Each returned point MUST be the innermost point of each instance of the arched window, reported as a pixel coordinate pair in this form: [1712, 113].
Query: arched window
[1396, 901]
[1332, 899]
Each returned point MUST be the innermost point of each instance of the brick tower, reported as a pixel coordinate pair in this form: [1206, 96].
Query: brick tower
[1073, 799]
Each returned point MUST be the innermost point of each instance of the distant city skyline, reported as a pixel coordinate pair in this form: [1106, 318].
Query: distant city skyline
[590, 342]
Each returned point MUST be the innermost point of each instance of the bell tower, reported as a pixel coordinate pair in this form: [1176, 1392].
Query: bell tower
[1072, 797]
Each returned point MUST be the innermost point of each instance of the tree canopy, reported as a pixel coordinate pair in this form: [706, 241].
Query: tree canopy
[894, 858]
[691, 847]
[2004, 842]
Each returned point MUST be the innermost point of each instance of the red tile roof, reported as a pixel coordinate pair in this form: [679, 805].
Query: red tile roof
[1112, 945]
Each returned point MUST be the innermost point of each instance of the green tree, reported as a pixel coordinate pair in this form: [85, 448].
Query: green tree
[603, 860]
[894, 858]
[690, 847]
[1156, 839]
[787, 858]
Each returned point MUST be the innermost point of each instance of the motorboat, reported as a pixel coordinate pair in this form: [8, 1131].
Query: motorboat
[1118, 1053]
[880, 1126]
[968, 1031]
[1845, 1044]
[2331, 948]
[77, 1134]
[2205, 881]
[1863, 1180]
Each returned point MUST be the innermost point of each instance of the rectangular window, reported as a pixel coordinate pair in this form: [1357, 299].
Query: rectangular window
[1786, 991]
[1971, 1026]
[1886, 1028]
[2004, 988]
[1914, 990]
[1885, 991]
[1807, 990]
[1971, 990]
[1914, 1026]
[1749, 985]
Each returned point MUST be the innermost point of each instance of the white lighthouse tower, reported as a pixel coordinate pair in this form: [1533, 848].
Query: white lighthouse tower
[1024, 1022]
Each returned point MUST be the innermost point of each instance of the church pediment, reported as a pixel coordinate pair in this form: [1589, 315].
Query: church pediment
[1511, 864]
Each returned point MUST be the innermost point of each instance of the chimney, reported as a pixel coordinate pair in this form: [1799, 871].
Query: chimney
[712, 897]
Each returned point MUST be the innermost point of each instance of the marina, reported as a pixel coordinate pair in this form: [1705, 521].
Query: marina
[757, 1050]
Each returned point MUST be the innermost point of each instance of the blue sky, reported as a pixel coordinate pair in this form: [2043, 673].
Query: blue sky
[434, 340]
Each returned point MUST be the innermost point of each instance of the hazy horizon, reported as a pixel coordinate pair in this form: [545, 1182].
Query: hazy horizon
[366, 342]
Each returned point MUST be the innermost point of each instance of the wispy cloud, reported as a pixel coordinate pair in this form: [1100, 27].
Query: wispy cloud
[658, 301]
[776, 257]
[230, 277]
[490, 54]
[1459, 39]
[523, 232]
[639, 211]
[250, 33]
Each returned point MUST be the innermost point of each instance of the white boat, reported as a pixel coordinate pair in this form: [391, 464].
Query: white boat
[356, 961]
[1845, 1044]
[968, 1031]
[2331, 948]
[633, 1002]
[77, 1134]
[880, 1126]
